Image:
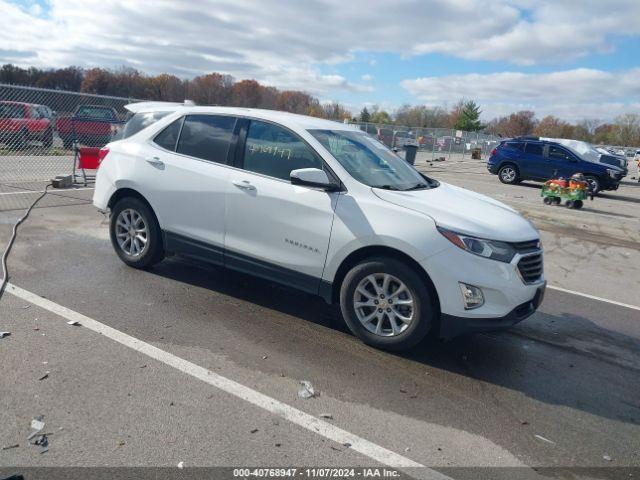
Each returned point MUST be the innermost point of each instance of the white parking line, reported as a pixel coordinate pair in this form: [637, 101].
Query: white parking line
[22, 192]
[292, 414]
[593, 297]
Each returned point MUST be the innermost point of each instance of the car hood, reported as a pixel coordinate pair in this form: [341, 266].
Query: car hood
[465, 212]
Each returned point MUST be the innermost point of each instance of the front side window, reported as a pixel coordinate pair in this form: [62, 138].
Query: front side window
[207, 137]
[168, 137]
[557, 153]
[274, 151]
[369, 161]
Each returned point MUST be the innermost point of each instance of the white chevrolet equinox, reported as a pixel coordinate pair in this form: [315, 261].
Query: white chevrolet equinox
[322, 207]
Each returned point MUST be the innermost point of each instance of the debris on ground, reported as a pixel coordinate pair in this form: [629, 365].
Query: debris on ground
[74, 323]
[45, 376]
[307, 390]
[180, 465]
[255, 430]
[264, 357]
[9, 447]
[524, 422]
[347, 444]
[4, 334]
[121, 443]
[41, 441]
[37, 423]
[326, 415]
[607, 458]
[540, 437]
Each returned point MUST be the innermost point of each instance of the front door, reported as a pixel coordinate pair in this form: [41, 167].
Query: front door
[275, 229]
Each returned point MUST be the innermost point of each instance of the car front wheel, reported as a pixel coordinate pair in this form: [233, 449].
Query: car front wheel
[594, 183]
[386, 304]
[135, 233]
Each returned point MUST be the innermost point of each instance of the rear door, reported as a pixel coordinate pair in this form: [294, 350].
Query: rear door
[275, 229]
[534, 164]
[185, 170]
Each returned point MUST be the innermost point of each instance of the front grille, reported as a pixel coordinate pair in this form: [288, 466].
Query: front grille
[530, 268]
[526, 247]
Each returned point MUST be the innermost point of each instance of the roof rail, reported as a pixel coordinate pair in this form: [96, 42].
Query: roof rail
[150, 106]
[526, 137]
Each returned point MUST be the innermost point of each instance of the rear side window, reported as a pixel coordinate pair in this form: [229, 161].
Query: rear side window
[274, 151]
[207, 137]
[140, 121]
[514, 145]
[533, 149]
[168, 137]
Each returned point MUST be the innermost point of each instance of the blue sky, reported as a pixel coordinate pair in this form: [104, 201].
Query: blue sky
[548, 56]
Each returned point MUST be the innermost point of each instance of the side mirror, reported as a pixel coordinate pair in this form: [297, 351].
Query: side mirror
[313, 177]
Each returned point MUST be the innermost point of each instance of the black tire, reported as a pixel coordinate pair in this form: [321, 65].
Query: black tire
[548, 200]
[594, 183]
[569, 204]
[509, 174]
[578, 204]
[557, 200]
[20, 142]
[424, 310]
[47, 140]
[153, 250]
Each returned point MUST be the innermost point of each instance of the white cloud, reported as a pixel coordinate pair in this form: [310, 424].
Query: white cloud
[271, 40]
[570, 94]
[366, 77]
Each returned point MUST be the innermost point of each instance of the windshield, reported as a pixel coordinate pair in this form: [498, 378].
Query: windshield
[584, 150]
[369, 161]
[99, 113]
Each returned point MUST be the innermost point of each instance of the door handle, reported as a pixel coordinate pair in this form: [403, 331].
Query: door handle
[244, 184]
[155, 161]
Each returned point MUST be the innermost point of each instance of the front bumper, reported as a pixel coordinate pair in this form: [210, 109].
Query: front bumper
[452, 326]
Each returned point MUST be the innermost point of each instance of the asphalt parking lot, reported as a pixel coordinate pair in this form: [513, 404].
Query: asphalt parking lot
[203, 366]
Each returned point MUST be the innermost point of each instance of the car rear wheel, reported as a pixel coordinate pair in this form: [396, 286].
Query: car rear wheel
[135, 233]
[386, 304]
[509, 174]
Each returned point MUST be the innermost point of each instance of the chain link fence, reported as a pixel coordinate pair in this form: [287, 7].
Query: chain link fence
[39, 131]
[435, 143]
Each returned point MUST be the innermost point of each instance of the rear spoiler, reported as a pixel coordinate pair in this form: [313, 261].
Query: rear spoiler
[157, 106]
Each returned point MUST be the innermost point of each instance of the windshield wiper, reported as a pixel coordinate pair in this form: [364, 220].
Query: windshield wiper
[385, 187]
[418, 186]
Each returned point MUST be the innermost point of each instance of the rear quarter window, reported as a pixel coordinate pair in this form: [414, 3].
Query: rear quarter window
[139, 122]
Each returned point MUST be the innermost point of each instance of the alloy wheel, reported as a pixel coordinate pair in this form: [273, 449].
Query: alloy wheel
[132, 233]
[383, 304]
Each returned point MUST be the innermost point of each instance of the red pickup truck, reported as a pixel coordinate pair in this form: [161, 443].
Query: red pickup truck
[22, 122]
[91, 125]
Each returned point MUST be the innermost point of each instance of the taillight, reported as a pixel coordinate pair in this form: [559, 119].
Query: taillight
[102, 153]
[494, 151]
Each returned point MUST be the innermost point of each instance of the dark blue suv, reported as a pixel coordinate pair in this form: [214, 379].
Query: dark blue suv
[530, 158]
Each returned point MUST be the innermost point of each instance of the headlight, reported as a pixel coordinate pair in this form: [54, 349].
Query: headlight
[501, 251]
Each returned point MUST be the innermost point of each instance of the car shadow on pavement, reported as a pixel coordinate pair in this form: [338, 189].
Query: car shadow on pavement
[565, 360]
[562, 359]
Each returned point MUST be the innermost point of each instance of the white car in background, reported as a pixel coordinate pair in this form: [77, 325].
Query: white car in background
[323, 207]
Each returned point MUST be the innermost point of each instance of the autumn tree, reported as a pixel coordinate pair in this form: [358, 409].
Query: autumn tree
[211, 89]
